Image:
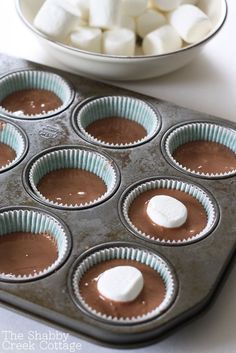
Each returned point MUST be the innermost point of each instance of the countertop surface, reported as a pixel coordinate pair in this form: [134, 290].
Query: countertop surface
[208, 85]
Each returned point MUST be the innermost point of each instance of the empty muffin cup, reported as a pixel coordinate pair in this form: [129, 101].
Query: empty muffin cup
[116, 121]
[155, 297]
[72, 177]
[33, 94]
[13, 145]
[202, 149]
[201, 211]
[33, 244]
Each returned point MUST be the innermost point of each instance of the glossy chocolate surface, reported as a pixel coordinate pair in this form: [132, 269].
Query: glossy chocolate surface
[116, 130]
[196, 220]
[71, 186]
[206, 157]
[31, 102]
[23, 253]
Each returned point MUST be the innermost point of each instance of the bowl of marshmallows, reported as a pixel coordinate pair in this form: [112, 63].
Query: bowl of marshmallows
[123, 39]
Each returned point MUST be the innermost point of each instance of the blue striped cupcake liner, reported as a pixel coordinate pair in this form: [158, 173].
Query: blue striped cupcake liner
[78, 158]
[35, 222]
[130, 253]
[119, 106]
[200, 131]
[13, 137]
[34, 79]
[173, 184]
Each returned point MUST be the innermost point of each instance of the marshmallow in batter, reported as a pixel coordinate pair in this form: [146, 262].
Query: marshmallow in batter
[190, 22]
[119, 41]
[167, 211]
[161, 41]
[121, 283]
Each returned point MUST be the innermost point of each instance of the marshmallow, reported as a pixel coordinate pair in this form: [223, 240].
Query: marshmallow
[79, 8]
[149, 21]
[128, 22]
[191, 23]
[161, 41]
[106, 14]
[121, 283]
[83, 6]
[167, 211]
[166, 5]
[193, 2]
[54, 20]
[86, 38]
[134, 8]
[119, 42]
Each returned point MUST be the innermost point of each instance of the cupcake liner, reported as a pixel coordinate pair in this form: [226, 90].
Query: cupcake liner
[33, 79]
[84, 159]
[15, 138]
[199, 194]
[119, 106]
[195, 132]
[35, 222]
[130, 253]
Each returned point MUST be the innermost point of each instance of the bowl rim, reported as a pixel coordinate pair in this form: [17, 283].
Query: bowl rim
[120, 58]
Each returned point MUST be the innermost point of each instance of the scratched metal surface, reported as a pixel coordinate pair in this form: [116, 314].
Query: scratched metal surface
[199, 267]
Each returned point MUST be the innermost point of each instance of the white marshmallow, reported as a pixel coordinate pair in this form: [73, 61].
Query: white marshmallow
[134, 8]
[167, 211]
[86, 38]
[149, 21]
[119, 42]
[105, 14]
[166, 5]
[161, 41]
[128, 22]
[54, 20]
[120, 284]
[79, 8]
[193, 2]
[191, 23]
[83, 6]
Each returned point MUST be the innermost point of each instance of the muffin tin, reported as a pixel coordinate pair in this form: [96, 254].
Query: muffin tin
[197, 267]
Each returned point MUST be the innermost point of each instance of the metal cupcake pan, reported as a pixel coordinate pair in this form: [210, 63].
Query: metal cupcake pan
[197, 265]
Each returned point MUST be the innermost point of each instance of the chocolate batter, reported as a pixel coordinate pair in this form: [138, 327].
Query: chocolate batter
[196, 221]
[206, 157]
[7, 155]
[116, 130]
[71, 186]
[23, 253]
[31, 102]
[151, 296]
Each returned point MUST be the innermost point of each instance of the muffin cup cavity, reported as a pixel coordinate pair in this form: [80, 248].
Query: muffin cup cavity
[205, 199]
[36, 222]
[129, 108]
[34, 79]
[130, 252]
[15, 138]
[198, 131]
[77, 158]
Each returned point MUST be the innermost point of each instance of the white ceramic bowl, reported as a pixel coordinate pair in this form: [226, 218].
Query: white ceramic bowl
[122, 68]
